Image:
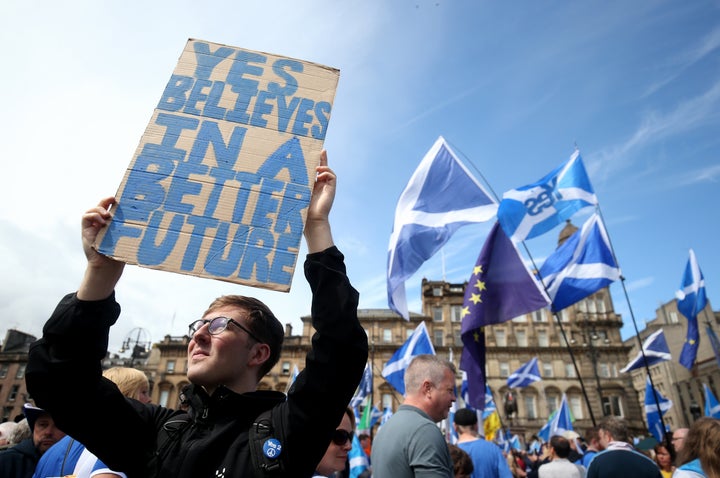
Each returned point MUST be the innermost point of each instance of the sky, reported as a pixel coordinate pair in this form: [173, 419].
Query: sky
[514, 87]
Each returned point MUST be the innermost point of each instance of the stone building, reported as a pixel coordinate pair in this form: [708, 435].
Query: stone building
[13, 360]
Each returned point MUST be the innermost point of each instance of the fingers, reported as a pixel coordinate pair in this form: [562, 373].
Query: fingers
[100, 214]
[323, 158]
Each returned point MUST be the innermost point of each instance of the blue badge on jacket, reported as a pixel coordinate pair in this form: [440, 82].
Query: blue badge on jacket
[272, 448]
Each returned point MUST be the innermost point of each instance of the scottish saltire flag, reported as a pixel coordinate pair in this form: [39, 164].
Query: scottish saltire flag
[442, 196]
[558, 423]
[525, 375]
[489, 402]
[652, 413]
[365, 387]
[535, 209]
[387, 413]
[464, 392]
[419, 343]
[293, 376]
[500, 288]
[582, 265]
[714, 342]
[358, 460]
[691, 300]
[375, 415]
[655, 349]
[712, 407]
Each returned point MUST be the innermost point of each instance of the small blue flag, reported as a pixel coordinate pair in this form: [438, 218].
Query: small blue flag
[582, 265]
[419, 343]
[535, 209]
[357, 458]
[712, 407]
[558, 423]
[651, 410]
[691, 300]
[365, 387]
[490, 406]
[441, 196]
[525, 375]
[656, 350]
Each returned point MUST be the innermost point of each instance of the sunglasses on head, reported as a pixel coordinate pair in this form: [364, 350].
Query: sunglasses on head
[341, 437]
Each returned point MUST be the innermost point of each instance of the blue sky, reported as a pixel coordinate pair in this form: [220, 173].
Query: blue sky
[513, 86]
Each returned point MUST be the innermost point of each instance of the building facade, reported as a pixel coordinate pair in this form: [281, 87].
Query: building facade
[13, 361]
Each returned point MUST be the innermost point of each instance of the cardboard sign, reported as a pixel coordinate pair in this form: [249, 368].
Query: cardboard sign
[221, 180]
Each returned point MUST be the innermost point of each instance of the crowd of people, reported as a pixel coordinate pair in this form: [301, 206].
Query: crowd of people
[225, 427]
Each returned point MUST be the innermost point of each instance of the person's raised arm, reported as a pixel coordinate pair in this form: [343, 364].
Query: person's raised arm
[102, 272]
[317, 227]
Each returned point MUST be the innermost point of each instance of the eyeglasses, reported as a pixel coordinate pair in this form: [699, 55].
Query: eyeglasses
[217, 325]
[341, 437]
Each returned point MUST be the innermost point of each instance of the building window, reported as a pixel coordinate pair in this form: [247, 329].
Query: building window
[504, 370]
[170, 368]
[520, 319]
[673, 317]
[437, 314]
[538, 316]
[547, 369]
[4, 370]
[387, 336]
[458, 337]
[530, 407]
[521, 338]
[542, 336]
[13, 393]
[438, 338]
[437, 291]
[456, 313]
[408, 333]
[286, 368]
[576, 407]
[164, 396]
[582, 306]
[21, 371]
[603, 370]
[500, 338]
[601, 306]
[612, 405]
[591, 306]
[386, 400]
[564, 316]
[6, 413]
[552, 402]
[570, 370]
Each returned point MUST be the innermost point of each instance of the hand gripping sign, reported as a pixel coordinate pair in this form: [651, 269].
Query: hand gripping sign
[221, 180]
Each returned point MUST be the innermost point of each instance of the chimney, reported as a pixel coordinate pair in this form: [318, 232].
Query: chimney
[288, 330]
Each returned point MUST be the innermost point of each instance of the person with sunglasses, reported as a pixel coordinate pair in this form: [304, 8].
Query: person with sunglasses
[232, 346]
[336, 455]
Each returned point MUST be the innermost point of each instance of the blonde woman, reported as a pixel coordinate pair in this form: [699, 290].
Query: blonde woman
[69, 457]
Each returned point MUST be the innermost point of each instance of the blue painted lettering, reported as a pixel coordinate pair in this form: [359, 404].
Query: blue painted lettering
[212, 110]
[200, 226]
[259, 246]
[289, 219]
[224, 264]
[302, 118]
[182, 186]
[291, 84]
[196, 94]
[173, 98]
[285, 112]
[245, 88]
[261, 108]
[207, 60]
[322, 113]
[288, 156]
[282, 259]
[149, 252]
[247, 181]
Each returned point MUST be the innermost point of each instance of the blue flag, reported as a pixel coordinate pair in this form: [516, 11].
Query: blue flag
[500, 288]
[357, 458]
[712, 407]
[558, 423]
[387, 413]
[656, 350]
[691, 300]
[535, 209]
[441, 197]
[652, 414]
[365, 387]
[582, 265]
[490, 406]
[525, 375]
[419, 343]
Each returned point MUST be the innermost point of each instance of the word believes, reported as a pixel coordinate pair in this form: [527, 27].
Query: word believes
[171, 196]
[236, 96]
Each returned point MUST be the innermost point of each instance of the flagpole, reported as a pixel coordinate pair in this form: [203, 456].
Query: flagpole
[637, 331]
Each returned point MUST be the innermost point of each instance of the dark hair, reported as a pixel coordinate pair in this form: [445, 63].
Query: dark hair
[462, 463]
[591, 434]
[560, 445]
[703, 441]
[261, 322]
[616, 427]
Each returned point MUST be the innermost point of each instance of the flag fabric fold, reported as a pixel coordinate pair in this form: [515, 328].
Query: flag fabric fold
[500, 288]
[441, 196]
[652, 414]
[656, 350]
[712, 407]
[537, 208]
[525, 375]
[582, 265]
[357, 459]
[691, 300]
[365, 387]
[419, 343]
[558, 423]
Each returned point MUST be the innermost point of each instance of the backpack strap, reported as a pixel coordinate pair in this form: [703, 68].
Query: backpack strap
[266, 444]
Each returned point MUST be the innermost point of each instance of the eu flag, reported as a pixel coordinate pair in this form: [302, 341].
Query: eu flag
[500, 288]
[691, 300]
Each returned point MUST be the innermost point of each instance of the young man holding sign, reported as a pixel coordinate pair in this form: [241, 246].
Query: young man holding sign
[231, 428]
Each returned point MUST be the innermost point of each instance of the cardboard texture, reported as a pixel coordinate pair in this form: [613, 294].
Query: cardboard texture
[220, 182]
